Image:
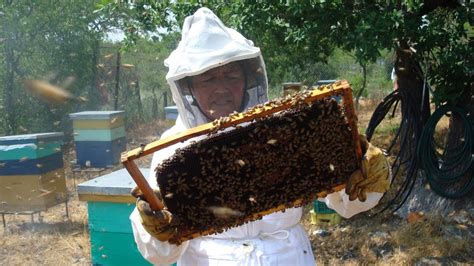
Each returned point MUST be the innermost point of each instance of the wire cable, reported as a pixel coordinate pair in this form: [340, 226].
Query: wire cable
[407, 135]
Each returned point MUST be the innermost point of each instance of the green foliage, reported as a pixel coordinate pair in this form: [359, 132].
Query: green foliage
[378, 84]
[447, 52]
[436, 30]
[139, 19]
[147, 56]
[44, 40]
[298, 34]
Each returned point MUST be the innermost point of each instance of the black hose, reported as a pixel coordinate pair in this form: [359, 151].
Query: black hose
[450, 173]
[408, 135]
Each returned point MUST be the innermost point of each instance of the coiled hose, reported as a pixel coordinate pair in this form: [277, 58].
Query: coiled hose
[449, 173]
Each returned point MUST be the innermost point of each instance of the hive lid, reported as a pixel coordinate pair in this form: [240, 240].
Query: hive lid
[325, 81]
[171, 108]
[118, 183]
[86, 115]
[31, 138]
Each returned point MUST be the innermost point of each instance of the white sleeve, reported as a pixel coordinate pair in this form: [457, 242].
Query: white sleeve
[155, 251]
[339, 201]
[152, 249]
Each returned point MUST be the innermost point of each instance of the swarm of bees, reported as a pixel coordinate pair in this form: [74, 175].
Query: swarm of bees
[233, 176]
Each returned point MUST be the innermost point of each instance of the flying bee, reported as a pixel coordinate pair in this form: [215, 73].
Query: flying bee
[50, 93]
[224, 212]
[108, 56]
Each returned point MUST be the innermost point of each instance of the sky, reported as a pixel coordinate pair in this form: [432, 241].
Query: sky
[115, 35]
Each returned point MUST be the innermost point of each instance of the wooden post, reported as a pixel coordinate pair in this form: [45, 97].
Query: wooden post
[165, 99]
[117, 81]
[165, 103]
[139, 103]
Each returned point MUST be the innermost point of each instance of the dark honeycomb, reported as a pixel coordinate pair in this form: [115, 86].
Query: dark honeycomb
[223, 180]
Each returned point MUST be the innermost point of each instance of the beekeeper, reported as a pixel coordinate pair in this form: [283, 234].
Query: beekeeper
[213, 72]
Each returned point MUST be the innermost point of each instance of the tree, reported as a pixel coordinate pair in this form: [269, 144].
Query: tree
[309, 31]
[45, 41]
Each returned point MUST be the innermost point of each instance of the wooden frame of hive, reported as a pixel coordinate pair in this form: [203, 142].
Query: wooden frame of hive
[341, 88]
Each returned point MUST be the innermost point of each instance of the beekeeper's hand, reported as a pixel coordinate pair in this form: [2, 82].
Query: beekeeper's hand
[373, 176]
[156, 223]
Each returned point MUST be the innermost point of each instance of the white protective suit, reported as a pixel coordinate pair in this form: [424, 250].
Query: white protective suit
[276, 239]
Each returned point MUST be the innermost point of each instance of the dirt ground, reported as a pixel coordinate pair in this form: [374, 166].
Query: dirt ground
[54, 239]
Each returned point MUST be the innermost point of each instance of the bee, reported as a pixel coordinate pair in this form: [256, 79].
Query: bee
[240, 162]
[50, 93]
[224, 212]
[272, 141]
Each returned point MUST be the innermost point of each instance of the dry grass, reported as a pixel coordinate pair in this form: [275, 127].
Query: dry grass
[436, 236]
[51, 239]
[386, 239]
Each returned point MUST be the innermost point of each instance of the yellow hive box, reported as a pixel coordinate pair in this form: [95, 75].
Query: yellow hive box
[20, 193]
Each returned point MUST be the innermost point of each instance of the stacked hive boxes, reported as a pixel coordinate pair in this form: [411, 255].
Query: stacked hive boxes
[321, 213]
[99, 137]
[31, 172]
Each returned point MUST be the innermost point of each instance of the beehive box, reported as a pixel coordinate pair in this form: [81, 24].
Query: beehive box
[99, 137]
[109, 205]
[171, 112]
[31, 172]
[321, 208]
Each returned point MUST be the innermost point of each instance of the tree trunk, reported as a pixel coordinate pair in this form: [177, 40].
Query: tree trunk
[93, 93]
[364, 83]
[154, 104]
[426, 200]
[410, 78]
[139, 102]
[9, 82]
[422, 199]
[165, 103]
[117, 81]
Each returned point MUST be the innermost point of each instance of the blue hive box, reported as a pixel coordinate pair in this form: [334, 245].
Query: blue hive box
[171, 112]
[31, 172]
[99, 137]
[109, 205]
[100, 153]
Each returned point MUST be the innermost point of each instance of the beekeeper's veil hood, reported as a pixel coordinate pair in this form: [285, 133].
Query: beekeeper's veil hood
[205, 44]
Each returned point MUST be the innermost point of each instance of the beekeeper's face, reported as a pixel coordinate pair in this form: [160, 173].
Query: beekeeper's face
[219, 91]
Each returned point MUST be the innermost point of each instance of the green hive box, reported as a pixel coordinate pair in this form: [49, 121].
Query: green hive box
[109, 206]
